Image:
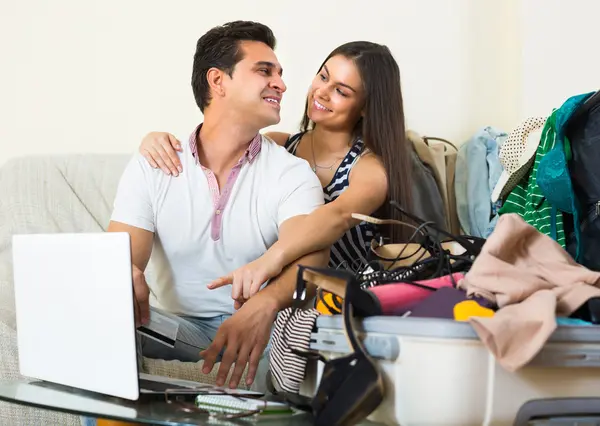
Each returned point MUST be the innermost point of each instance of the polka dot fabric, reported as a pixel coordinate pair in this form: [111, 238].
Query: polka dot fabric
[518, 152]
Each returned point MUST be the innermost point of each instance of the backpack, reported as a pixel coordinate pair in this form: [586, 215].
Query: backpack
[439, 155]
[583, 133]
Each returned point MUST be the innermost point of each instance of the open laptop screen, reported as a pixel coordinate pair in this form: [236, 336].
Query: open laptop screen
[74, 311]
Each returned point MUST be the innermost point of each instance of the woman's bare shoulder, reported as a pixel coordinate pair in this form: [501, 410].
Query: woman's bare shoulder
[280, 138]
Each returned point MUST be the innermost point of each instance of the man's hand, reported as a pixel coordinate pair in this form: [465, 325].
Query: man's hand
[141, 300]
[245, 336]
[141, 248]
[247, 280]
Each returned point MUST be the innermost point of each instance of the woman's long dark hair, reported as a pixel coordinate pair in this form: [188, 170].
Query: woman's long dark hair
[382, 129]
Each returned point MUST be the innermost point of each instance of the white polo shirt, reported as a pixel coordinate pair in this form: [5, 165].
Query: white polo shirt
[202, 234]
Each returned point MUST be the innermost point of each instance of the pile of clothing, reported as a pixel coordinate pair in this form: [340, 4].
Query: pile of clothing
[514, 288]
[552, 177]
[529, 263]
[544, 170]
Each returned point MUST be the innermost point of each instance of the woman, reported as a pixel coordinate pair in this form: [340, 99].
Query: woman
[353, 136]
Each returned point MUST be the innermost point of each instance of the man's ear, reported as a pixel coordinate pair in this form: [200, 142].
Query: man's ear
[215, 78]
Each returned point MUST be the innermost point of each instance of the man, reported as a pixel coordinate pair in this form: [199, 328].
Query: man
[239, 193]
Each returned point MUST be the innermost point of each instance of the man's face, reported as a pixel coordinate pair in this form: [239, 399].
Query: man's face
[256, 88]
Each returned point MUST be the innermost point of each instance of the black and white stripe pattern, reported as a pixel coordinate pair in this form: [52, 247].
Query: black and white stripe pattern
[293, 328]
[350, 250]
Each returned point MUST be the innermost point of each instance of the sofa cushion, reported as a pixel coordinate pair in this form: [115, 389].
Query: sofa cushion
[71, 193]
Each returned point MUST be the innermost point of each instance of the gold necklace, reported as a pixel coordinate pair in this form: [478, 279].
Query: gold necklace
[316, 166]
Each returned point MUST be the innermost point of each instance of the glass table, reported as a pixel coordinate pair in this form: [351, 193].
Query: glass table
[56, 397]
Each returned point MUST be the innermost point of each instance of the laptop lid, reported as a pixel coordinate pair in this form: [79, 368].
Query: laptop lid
[74, 311]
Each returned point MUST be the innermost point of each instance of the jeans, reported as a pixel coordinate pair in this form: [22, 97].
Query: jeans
[200, 331]
[194, 335]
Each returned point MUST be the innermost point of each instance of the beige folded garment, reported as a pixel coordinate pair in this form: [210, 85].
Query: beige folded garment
[532, 279]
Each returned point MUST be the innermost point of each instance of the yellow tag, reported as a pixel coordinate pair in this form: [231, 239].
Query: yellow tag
[470, 308]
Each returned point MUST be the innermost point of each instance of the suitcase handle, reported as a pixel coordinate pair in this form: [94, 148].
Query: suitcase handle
[559, 356]
[378, 347]
[556, 407]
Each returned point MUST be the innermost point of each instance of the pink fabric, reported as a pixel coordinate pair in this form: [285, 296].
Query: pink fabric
[399, 296]
[219, 198]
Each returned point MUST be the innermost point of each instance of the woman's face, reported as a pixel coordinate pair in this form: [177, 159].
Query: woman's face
[336, 96]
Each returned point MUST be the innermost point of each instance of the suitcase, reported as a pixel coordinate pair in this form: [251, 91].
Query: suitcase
[437, 372]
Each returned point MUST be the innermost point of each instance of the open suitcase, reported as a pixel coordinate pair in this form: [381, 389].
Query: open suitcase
[437, 372]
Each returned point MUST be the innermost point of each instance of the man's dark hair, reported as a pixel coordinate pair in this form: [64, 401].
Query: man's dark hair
[220, 48]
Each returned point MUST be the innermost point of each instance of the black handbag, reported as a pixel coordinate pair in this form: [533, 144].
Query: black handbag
[351, 386]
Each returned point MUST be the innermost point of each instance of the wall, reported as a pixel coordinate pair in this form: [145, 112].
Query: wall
[90, 76]
[558, 52]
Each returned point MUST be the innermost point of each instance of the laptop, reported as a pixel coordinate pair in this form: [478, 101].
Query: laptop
[75, 317]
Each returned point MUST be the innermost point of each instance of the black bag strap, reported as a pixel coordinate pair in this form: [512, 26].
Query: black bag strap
[471, 245]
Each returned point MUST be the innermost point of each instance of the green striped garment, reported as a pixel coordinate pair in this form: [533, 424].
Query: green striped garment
[527, 200]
